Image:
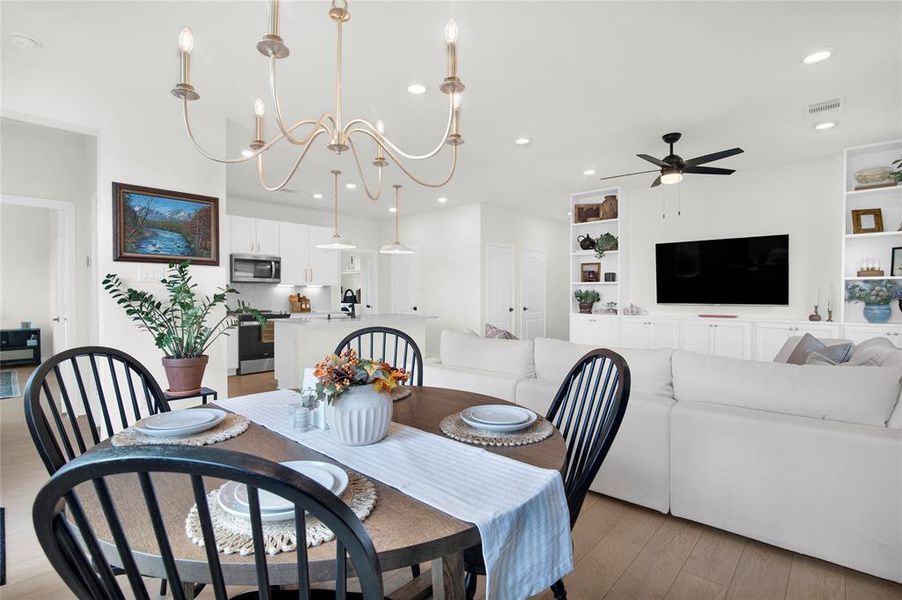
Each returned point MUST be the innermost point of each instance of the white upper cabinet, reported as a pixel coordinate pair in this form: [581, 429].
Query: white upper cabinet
[254, 236]
[860, 333]
[324, 265]
[302, 262]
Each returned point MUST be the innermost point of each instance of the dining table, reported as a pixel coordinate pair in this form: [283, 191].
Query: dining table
[404, 531]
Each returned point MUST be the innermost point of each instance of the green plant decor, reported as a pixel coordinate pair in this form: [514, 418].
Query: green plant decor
[897, 173]
[605, 243]
[179, 325]
[881, 291]
[587, 296]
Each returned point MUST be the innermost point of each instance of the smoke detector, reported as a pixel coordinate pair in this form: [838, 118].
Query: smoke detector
[20, 40]
[833, 106]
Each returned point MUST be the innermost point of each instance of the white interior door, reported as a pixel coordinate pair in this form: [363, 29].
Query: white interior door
[532, 294]
[499, 286]
[405, 278]
[369, 277]
[61, 272]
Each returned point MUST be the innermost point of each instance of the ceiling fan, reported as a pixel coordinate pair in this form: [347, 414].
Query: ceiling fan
[672, 166]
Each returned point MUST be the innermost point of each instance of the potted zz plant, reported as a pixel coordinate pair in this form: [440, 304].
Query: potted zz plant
[586, 300]
[876, 296]
[360, 393]
[179, 325]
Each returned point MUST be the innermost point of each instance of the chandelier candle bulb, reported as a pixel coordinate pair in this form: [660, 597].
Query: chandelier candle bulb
[451, 38]
[186, 45]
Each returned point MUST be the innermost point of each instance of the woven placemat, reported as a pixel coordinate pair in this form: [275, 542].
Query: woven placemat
[456, 429]
[233, 534]
[401, 392]
[233, 425]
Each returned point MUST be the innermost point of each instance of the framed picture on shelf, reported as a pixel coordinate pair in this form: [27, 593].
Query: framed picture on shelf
[587, 213]
[896, 266]
[590, 272]
[867, 220]
[162, 226]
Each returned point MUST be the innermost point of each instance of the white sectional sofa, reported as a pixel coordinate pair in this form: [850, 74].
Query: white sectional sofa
[808, 458]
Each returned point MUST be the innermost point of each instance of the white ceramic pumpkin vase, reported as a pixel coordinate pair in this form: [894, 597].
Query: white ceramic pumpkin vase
[360, 416]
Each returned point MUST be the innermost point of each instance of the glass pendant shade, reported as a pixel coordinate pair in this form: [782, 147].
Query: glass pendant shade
[396, 248]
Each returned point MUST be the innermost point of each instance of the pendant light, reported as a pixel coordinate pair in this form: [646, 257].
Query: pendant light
[336, 242]
[397, 247]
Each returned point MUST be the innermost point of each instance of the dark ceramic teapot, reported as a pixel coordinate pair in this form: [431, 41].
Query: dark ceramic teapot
[586, 242]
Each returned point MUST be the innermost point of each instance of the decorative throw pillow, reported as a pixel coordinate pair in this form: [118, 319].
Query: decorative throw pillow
[496, 332]
[806, 346]
[876, 352]
[816, 358]
[797, 350]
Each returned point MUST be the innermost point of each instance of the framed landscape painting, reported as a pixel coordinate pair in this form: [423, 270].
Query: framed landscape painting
[151, 225]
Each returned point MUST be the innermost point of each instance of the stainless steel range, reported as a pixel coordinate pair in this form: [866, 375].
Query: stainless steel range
[256, 343]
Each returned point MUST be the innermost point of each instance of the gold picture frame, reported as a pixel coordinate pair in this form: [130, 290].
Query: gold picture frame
[867, 220]
[587, 213]
[590, 272]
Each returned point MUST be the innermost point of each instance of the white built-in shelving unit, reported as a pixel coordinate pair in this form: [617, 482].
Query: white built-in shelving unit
[613, 260]
[857, 247]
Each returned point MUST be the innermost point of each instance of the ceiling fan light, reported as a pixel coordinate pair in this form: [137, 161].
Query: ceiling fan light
[671, 176]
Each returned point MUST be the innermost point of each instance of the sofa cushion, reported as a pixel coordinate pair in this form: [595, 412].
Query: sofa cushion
[808, 344]
[877, 351]
[793, 341]
[508, 357]
[537, 394]
[492, 332]
[477, 381]
[650, 369]
[862, 395]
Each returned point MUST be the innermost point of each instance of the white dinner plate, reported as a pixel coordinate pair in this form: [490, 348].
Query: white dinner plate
[498, 414]
[233, 495]
[501, 428]
[181, 422]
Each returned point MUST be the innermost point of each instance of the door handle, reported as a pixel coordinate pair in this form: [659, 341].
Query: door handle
[525, 308]
[56, 319]
[414, 307]
[510, 309]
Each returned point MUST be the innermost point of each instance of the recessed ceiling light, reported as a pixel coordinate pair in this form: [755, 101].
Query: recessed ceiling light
[351, 186]
[825, 125]
[20, 40]
[417, 89]
[522, 141]
[589, 172]
[392, 209]
[817, 56]
[317, 196]
[569, 213]
[442, 200]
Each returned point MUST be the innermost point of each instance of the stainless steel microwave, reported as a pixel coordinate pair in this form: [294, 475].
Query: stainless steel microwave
[254, 268]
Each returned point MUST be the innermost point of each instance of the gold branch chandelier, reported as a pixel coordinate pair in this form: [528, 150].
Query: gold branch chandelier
[342, 136]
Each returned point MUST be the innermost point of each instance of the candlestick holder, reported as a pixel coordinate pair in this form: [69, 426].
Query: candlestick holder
[829, 315]
[815, 316]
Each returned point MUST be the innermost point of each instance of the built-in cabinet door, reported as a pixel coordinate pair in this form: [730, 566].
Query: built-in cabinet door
[267, 234]
[698, 337]
[532, 294]
[499, 286]
[860, 333]
[771, 337]
[244, 235]
[293, 248]
[633, 333]
[595, 330]
[662, 333]
[324, 265]
[732, 340]
[405, 281]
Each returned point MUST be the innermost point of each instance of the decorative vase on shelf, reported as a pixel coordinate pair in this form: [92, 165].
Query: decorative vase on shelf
[360, 416]
[877, 313]
[586, 307]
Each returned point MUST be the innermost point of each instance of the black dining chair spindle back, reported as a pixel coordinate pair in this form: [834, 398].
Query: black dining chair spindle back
[79, 397]
[390, 345]
[59, 512]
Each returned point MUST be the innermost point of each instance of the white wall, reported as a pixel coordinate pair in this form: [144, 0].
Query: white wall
[803, 200]
[523, 231]
[26, 254]
[49, 163]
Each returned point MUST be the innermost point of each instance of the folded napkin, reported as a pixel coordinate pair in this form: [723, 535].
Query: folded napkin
[520, 510]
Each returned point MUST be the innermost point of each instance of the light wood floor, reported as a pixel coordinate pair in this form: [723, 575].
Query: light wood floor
[622, 551]
[243, 385]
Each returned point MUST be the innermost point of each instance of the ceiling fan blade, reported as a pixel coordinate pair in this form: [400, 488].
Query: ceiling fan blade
[656, 182]
[709, 170]
[699, 160]
[653, 160]
[629, 174]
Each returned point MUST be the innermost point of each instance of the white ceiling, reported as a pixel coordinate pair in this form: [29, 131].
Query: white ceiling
[590, 83]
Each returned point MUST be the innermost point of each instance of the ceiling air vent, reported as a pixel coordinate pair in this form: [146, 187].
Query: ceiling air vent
[825, 107]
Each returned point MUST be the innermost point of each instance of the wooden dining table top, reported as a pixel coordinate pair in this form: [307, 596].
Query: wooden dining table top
[404, 531]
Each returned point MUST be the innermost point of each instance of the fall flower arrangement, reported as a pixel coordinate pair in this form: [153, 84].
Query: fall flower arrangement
[338, 372]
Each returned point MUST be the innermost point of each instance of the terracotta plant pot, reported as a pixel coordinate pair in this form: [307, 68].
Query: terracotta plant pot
[586, 307]
[185, 375]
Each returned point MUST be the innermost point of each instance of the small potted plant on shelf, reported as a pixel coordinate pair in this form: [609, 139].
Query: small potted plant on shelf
[606, 242]
[179, 325]
[360, 393]
[876, 296]
[586, 300]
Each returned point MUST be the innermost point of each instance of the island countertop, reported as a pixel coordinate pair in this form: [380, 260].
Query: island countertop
[365, 320]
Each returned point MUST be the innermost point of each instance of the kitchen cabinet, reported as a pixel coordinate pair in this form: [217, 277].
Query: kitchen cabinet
[860, 333]
[723, 338]
[770, 337]
[595, 330]
[649, 332]
[254, 236]
[302, 262]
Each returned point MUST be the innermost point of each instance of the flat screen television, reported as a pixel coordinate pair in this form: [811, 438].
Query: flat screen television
[749, 270]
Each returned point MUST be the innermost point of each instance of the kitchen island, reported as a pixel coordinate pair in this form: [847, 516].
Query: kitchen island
[301, 341]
